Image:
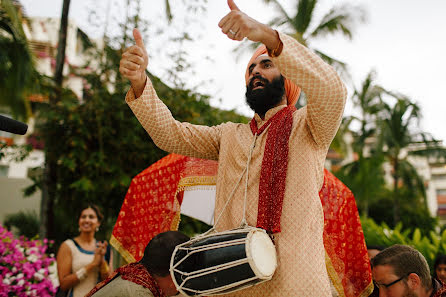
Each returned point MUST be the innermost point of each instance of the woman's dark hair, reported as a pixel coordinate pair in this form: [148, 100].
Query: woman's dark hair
[95, 209]
[440, 259]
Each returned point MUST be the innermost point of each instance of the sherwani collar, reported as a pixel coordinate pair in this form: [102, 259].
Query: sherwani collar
[269, 114]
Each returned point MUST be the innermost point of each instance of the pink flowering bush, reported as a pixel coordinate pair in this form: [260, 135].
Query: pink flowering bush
[25, 268]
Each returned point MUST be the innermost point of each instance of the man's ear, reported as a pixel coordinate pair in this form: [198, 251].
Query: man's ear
[414, 281]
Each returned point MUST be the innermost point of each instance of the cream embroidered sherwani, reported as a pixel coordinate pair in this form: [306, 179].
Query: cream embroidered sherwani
[301, 257]
[122, 288]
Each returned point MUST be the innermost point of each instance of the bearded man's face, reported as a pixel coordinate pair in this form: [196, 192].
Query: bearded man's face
[262, 95]
[265, 86]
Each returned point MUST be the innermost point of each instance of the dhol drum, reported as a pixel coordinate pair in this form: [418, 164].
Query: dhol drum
[223, 262]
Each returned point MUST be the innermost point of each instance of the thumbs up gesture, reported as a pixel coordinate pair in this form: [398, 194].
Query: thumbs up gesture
[238, 25]
[134, 62]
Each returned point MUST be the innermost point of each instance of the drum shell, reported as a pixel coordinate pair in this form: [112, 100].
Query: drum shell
[241, 273]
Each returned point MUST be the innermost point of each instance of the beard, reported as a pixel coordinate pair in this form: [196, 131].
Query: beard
[263, 99]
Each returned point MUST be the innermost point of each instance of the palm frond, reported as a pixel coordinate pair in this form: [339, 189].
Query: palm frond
[282, 10]
[245, 46]
[369, 96]
[169, 14]
[411, 179]
[16, 62]
[278, 22]
[340, 19]
[340, 66]
[304, 16]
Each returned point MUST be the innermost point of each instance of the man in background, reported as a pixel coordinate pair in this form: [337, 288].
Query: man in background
[402, 271]
[150, 277]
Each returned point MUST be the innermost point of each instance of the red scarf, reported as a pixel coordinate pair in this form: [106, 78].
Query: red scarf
[439, 289]
[135, 273]
[274, 167]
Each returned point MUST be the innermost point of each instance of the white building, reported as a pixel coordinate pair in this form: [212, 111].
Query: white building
[42, 34]
[433, 171]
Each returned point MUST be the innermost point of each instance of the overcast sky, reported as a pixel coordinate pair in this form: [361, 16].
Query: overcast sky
[403, 40]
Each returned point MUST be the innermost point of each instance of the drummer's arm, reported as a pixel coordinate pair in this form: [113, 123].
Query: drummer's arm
[169, 134]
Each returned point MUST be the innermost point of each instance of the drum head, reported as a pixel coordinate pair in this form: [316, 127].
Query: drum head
[261, 253]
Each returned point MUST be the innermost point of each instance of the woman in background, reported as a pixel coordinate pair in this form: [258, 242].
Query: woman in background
[81, 261]
[440, 268]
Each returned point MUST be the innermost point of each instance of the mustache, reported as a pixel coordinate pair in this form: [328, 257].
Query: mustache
[259, 77]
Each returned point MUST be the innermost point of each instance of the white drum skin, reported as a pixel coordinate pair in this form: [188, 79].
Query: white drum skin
[261, 254]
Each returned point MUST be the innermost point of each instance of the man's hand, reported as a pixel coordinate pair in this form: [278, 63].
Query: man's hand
[238, 25]
[134, 62]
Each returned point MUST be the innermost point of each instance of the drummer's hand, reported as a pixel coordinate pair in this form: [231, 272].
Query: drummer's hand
[237, 25]
[134, 62]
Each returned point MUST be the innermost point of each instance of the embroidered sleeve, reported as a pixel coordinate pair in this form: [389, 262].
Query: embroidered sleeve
[169, 134]
[326, 93]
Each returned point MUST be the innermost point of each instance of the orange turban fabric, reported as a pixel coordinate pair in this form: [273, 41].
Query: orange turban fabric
[291, 89]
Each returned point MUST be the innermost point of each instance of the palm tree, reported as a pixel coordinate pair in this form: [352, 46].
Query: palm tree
[396, 137]
[368, 99]
[304, 27]
[365, 175]
[16, 61]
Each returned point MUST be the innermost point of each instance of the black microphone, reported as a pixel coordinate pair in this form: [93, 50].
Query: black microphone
[12, 126]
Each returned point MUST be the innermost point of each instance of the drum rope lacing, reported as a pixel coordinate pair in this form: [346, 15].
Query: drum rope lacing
[243, 223]
[185, 276]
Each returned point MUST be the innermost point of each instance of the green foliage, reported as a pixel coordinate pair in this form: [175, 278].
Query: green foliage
[430, 244]
[26, 223]
[365, 178]
[17, 70]
[191, 227]
[385, 131]
[414, 214]
[99, 145]
[94, 147]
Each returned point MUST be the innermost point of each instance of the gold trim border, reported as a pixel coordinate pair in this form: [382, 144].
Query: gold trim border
[184, 183]
[191, 181]
[337, 283]
[123, 251]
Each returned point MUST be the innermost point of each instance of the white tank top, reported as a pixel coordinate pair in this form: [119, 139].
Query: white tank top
[81, 258]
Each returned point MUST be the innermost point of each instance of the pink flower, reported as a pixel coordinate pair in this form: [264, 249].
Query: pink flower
[24, 266]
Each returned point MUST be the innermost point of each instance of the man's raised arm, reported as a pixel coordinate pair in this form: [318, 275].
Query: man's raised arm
[133, 64]
[325, 91]
[166, 132]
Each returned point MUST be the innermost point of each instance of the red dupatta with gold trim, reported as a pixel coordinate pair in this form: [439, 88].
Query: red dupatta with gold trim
[152, 205]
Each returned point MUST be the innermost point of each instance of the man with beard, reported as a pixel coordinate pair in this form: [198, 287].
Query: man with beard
[276, 161]
[402, 271]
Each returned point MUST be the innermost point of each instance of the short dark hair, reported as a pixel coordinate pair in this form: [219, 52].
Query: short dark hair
[158, 252]
[405, 260]
[376, 247]
[440, 259]
[95, 208]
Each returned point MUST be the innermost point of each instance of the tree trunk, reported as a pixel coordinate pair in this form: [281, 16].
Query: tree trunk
[60, 58]
[50, 174]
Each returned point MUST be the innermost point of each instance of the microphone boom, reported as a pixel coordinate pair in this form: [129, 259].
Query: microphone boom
[12, 126]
